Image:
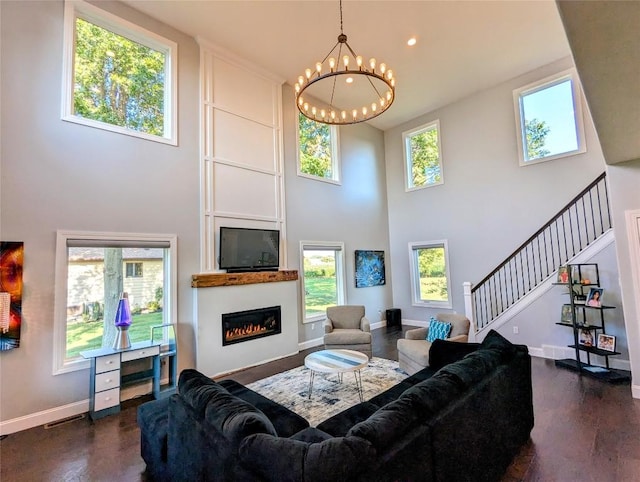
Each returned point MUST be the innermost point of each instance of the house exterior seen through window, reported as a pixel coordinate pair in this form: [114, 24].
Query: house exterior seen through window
[119, 77]
[549, 119]
[430, 274]
[134, 270]
[423, 159]
[317, 150]
[322, 279]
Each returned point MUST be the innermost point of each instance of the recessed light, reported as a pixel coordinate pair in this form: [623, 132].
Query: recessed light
[412, 41]
[349, 80]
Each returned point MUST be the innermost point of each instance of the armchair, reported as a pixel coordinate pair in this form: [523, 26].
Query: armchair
[347, 328]
[413, 350]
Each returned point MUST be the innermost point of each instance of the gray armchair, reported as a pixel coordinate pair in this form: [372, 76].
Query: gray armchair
[413, 350]
[347, 328]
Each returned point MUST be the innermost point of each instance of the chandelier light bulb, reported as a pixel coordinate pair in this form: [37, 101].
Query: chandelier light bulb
[297, 87]
[355, 113]
[344, 115]
[364, 111]
[307, 72]
[333, 114]
[306, 106]
[388, 95]
[313, 110]
[383, 68]
[359, 61]
[345, 61]
[374, 106]
[372, 63]
[332, 64]
[323, 113]
[319, 67]
[300, 101]
[390, 74]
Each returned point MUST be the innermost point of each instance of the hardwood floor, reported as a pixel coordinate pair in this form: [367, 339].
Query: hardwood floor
[585, 430]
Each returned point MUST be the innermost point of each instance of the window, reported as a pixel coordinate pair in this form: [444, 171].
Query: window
[317, 150]
[118, 76]
[134, 270]
[91, 272]
[323, 278]
[430, 274]
[549, 119]
[422, 155]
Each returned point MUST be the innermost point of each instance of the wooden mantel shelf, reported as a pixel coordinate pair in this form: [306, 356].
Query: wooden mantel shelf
[208, 280]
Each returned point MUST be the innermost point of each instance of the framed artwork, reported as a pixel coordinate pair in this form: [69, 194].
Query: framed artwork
[594, 298]
[11, 261]
[369, 268]
[606, 342]
[566, 315]
[585, 338]
[563, 274]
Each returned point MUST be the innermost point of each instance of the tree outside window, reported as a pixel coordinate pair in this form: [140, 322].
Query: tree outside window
[322, 279]
[317, 149]
[430, 274]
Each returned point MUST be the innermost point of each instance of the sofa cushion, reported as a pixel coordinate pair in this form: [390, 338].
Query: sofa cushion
[341, 423]
[438, 330]
[474, 366]
[495, 341]
[284, 420]
[311, 435]
[288, 460]
[430, 396]
[443, 352]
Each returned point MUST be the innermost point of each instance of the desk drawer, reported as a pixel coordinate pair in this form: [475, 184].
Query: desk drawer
[107, 381]
[107, 399]
[140, 353]
[107, 363]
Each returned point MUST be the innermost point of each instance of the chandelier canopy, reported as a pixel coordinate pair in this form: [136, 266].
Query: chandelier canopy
[357, 90]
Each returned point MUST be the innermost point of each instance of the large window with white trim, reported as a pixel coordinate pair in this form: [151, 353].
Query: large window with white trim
[422, 156]
[430, 277]
[549, 119]
[92, 270]
[118, 76]
[318, 150]
[322, 278]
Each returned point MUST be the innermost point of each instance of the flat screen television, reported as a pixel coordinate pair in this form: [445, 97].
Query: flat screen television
[245, 249]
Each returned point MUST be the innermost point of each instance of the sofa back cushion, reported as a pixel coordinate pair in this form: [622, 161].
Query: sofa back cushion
[288, 460]
[228, 414]
[443, 352]
[345, 316]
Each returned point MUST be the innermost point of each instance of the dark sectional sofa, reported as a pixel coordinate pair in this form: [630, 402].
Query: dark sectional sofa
[463, 418]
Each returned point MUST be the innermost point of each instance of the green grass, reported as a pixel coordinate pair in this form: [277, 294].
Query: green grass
[87, 335]
[433, 289]
[320, 292]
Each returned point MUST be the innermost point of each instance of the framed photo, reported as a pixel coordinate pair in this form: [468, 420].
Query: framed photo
[606, 342]
[369, 268]
[585, 338]
[563, 274]
[594, 298]
[566, 315]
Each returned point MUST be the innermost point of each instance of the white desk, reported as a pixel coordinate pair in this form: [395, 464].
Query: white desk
[107, 379]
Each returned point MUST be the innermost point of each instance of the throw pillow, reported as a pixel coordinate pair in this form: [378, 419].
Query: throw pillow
[438, 330]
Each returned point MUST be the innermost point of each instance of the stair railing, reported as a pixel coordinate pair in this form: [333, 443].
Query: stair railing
[572, 229]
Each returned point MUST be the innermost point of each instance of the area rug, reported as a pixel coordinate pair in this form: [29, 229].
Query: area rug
[329, 396]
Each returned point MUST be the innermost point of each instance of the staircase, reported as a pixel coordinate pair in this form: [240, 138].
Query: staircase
[571, 231]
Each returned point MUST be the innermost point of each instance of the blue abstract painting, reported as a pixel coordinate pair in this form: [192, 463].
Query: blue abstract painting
[369, 268]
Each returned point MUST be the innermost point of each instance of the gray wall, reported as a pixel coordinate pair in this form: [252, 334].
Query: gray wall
[61, 175]
[488, 204]
[354, 212]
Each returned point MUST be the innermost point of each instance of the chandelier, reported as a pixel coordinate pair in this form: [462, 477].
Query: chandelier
[357, 90]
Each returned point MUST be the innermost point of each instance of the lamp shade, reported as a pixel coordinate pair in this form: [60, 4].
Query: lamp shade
[123, 312]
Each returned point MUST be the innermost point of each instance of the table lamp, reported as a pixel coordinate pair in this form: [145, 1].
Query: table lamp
[122, 322]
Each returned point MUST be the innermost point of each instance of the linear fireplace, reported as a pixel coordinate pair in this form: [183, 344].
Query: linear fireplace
[251, 324]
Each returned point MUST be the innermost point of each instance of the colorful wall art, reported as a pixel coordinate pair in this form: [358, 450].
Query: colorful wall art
[369, 268]
[11, 261]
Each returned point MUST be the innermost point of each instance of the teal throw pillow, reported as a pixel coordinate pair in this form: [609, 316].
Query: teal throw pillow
[438, 330]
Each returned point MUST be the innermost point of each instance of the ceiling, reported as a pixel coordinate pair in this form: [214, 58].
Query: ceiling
[463, 46]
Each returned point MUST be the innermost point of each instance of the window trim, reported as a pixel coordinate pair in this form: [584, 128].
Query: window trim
[335, 155]
[415, 274]
[117, 25]
[170, 305]
[134, 265]
[337, 246]
[406, 138]
[550, 81]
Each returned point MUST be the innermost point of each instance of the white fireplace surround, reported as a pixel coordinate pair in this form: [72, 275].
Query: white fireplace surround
[213, 359]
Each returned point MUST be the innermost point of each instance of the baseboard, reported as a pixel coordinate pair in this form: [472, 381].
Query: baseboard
[310, 343]
[553, 352]
[262, 362]
[418, 323]
[378, 324]
[635, 391]
[46, 416]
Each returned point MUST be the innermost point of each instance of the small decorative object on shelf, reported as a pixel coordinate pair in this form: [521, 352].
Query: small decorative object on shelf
[122, 322]
[585, 314]
[606, 342]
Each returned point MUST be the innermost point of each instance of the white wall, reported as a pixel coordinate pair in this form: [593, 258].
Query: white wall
[61, 175]
[488, 204]
[354, 212]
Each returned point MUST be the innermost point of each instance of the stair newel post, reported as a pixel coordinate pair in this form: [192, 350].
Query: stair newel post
[469, 310]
